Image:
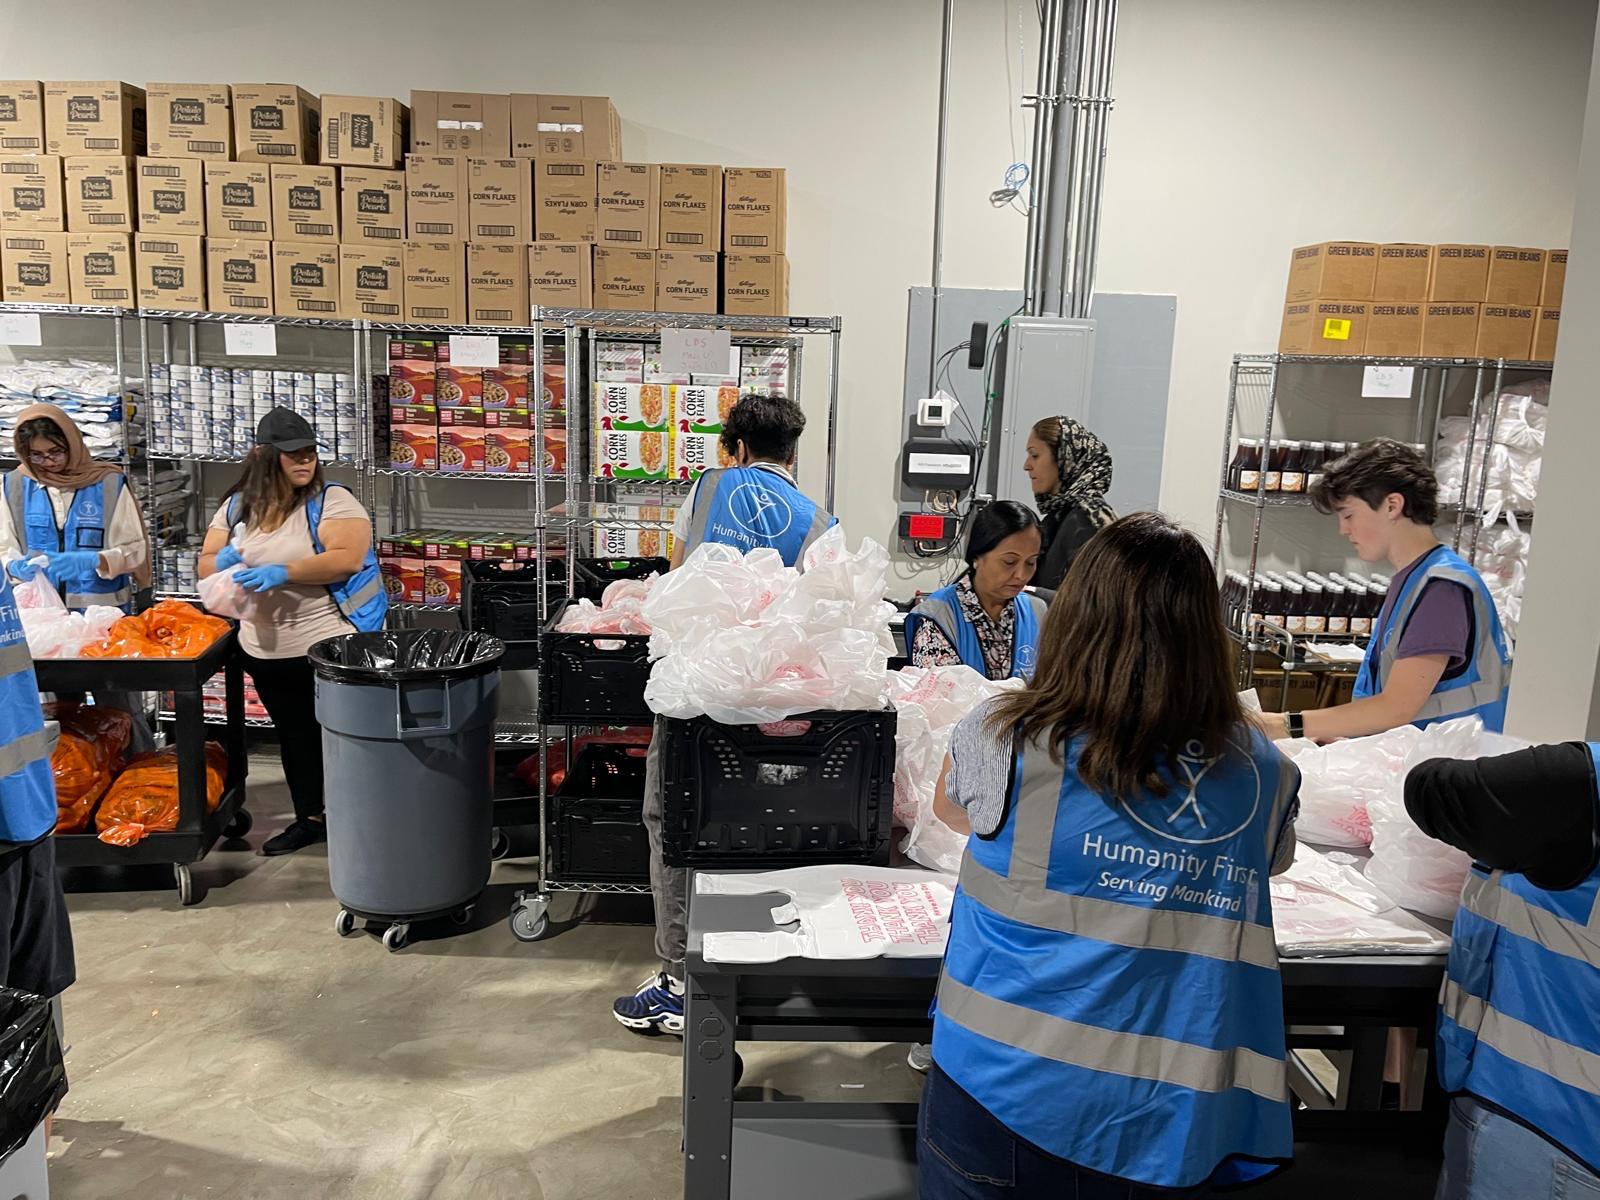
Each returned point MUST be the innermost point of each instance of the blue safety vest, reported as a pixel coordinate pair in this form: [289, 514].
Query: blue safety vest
[361, 598]
[33, 518]
[943, 608]
[750, 508]
[27, 788]
[1519, 1017]
[1478, 691]
[1111, 991]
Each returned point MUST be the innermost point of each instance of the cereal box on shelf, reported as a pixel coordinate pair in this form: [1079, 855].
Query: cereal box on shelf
[634, 407]
[457, 387]
[412, 365]
[441, 582]
[615, 541]
[507, 450]
[695, 453]
[414, 447]
[461, 439]
[631, 454]
[506, 386]
[697, 408]
[555, 450]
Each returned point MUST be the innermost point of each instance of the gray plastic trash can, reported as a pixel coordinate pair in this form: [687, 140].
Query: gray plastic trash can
[408, 750]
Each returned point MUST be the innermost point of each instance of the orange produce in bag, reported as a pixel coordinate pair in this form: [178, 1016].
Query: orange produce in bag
[91, 749]
[182, 628]
[144, 799]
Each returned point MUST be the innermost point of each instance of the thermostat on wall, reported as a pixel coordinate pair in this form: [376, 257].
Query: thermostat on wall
[937, 463]
[933, 412]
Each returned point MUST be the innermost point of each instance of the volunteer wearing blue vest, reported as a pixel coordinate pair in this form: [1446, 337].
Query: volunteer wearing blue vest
[1437, 650]
[752, 505]
[1110, 1017]
[79, 515]
[306, 546]
[985, 619]
[1519, 1039]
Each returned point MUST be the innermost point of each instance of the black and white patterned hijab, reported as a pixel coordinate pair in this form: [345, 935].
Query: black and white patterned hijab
[1083, 464]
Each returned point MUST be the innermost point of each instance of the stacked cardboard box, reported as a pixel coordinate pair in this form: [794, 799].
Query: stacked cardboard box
[1450, 300]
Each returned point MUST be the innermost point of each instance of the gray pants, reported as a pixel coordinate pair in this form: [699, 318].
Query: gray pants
[670, 884]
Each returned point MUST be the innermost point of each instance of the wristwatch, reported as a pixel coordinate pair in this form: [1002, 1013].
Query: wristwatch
[1294, 724]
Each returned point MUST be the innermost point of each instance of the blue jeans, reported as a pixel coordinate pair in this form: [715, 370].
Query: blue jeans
[963, 1153]
[1491, 1157]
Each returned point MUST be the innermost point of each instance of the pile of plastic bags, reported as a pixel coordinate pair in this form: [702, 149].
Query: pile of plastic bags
[620, 610]
[743, 639]
[1324, 906]
[168, 629]
[144, 799]
[88, 755]
[1502, 560]
[930, 701]
[1509, 470]
[51, 630]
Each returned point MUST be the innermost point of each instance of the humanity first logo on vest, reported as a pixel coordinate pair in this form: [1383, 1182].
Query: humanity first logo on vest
[757, 511]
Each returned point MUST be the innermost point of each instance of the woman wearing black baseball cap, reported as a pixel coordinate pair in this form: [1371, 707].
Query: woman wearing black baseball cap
[305, 546]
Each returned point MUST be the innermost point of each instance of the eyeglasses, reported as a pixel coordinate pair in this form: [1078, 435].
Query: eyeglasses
[47, 456]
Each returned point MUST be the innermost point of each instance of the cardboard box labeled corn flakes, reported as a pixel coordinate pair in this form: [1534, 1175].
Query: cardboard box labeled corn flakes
[634, 407]
[631, 454]
[698, 408]
[693, 454]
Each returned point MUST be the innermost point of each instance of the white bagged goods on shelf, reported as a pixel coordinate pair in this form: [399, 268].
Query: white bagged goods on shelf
[929, 703]
[744, 639]
[1339, 782]
[88, 392]
[1324, 906]
[842, 912]
[1516, 427]
[1502, 560]
[1412, 868]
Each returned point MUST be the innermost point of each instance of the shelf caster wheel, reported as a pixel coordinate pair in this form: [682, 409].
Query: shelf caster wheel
[345, 923]
[396, 937]
[530, 920]
[499, 844]
[241, 824]
[462, 916]
[185, 881]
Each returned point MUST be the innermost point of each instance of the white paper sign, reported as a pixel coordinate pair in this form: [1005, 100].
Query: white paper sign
[695, 351]
[1387, 382]
[474, 350]
[257, 341]
[20, 329]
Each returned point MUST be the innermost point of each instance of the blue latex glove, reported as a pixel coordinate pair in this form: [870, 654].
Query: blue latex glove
[22, 570]
[70, 564]
[228, 557]
[262, 579]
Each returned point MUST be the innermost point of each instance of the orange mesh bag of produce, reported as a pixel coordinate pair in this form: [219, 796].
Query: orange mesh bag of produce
[182, 628]
[90, 752]
[144, 799]
[127, 639]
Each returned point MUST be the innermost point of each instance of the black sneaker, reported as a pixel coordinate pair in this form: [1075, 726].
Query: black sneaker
[297, 836]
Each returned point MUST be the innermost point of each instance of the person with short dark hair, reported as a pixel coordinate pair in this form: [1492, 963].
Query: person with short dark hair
[751, 504]
[1437, 650]
[985, 619]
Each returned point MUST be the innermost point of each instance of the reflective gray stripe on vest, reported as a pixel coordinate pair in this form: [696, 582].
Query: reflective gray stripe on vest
[1131, 925]
[941, 614]
[351, 605]
[14, 488]
[23, 751]
[118, 598]
[1521, 1042]
[1487, 664]
[1135, 1055]
[710, 481]
[1288, 788]
[821, 522]
[15, 658]
[1493, 902]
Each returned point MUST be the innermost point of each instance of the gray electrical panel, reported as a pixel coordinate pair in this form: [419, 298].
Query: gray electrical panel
[1046, 366]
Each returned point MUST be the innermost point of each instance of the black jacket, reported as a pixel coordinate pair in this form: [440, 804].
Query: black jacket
[1065, 531]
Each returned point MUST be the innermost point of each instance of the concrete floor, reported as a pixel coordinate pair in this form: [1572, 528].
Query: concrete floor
[241, 1049]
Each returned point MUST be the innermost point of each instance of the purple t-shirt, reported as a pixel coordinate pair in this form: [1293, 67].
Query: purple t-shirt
[1440, 623]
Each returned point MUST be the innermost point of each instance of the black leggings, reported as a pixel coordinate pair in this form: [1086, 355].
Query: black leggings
[287, 691]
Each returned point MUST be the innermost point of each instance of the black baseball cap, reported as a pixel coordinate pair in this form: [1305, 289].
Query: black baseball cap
[285, 430]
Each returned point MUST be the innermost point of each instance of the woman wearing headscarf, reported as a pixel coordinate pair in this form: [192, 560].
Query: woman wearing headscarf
[78, 515]
[1071, 473]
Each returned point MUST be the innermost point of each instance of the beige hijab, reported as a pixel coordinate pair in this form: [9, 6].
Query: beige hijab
[79, 471]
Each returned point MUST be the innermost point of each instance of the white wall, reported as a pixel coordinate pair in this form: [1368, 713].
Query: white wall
[1242, 128]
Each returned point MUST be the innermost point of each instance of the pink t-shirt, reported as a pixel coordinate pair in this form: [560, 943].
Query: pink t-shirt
[290, 619]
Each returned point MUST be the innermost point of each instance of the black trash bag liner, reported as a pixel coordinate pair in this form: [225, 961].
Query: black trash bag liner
[393, 655]
[33, 1077]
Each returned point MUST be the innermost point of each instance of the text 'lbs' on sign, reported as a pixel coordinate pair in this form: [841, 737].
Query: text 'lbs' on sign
[695, 351]
[1387, 382]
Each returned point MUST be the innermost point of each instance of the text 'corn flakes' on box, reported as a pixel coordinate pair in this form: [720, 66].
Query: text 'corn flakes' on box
[755, 210]
[436, 197]
[305, 279]
[691, 206]
[190, 120]
[31, 194]
[1324, 327]
[100, 268]
[755, 285]
[564, 200]
[1404, 269]
[276, 123]
[35, 267]
[688, 281]
[99, 191]
[1450, 329]
[239, 199]
[500, 200]
[364, 131]
[94, 116]
[1516, 275]
[497, 283]
[624, 280]
[371, 283]
[436, 282]
[305, 203]
[475, 123]
[561, 275]
[171, 195]
[1332, 271]
[372, 205]
[700, 408]
[170, 269]
[21, 116]
[629, 205]
[239, 275]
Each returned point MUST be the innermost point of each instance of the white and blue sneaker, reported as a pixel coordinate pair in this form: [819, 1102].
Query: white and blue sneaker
[657, 1007]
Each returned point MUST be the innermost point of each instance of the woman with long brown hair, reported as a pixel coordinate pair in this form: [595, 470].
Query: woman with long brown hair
[1110, 1016]
[306, 549]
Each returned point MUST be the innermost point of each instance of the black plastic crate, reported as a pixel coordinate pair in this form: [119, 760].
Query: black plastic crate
[593, 678]
[597, 826]
[734, 795]
[502, 598]
[592, 576]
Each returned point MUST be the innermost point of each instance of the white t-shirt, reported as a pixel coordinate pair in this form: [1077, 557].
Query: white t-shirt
[288, 620]
[685, 513]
